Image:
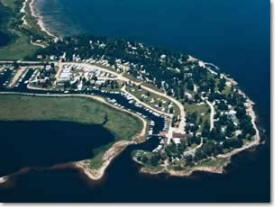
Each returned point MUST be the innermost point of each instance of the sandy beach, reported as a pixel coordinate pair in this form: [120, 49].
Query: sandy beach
[117, 148]
[40, 22]
[108, 157]
[23, 11]
[114, 151]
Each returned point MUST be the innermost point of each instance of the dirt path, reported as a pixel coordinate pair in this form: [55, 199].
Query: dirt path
[212, 114]
[38, 44]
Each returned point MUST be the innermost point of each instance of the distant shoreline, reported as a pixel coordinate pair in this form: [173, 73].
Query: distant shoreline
[39, 19]
[249, 103]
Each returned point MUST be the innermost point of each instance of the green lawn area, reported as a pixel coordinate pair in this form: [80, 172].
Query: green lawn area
[200, 109]
[96, 161]
[216, 162]
[208, 162]
[227, 90]
[76, 109]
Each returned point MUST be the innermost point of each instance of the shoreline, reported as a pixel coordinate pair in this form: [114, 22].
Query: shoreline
[113, 152]
[118, 147]
[23, 11]
[109, 155]
[186, 172]
[217, 169]
[39, 20]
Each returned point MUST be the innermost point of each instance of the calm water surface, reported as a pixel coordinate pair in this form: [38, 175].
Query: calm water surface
[46, 143]
[232, 34]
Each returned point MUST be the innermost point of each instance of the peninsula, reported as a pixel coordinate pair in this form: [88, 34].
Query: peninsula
[207, 118]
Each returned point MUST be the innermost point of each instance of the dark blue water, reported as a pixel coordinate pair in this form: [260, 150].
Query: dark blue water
[46, 143]
[232, 34]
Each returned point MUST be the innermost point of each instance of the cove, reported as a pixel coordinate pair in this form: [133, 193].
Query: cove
[46, 143]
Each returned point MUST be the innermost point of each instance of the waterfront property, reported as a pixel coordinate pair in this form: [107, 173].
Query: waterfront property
[207, 118]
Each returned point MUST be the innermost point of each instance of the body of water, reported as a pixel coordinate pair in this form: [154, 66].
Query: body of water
[233, 34]
[46, 143]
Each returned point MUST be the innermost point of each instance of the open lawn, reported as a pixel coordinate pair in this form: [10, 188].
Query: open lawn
[202, 110]
[215, 162]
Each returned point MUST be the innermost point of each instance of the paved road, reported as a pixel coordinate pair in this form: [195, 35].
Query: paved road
[212, 114]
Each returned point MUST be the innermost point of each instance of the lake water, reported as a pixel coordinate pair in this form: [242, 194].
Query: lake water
[46, 143]
[232, 34]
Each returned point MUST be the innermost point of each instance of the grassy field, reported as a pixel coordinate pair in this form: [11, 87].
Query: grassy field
[216, 162]
[202, 111]
[81, 110]
[96, 161]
